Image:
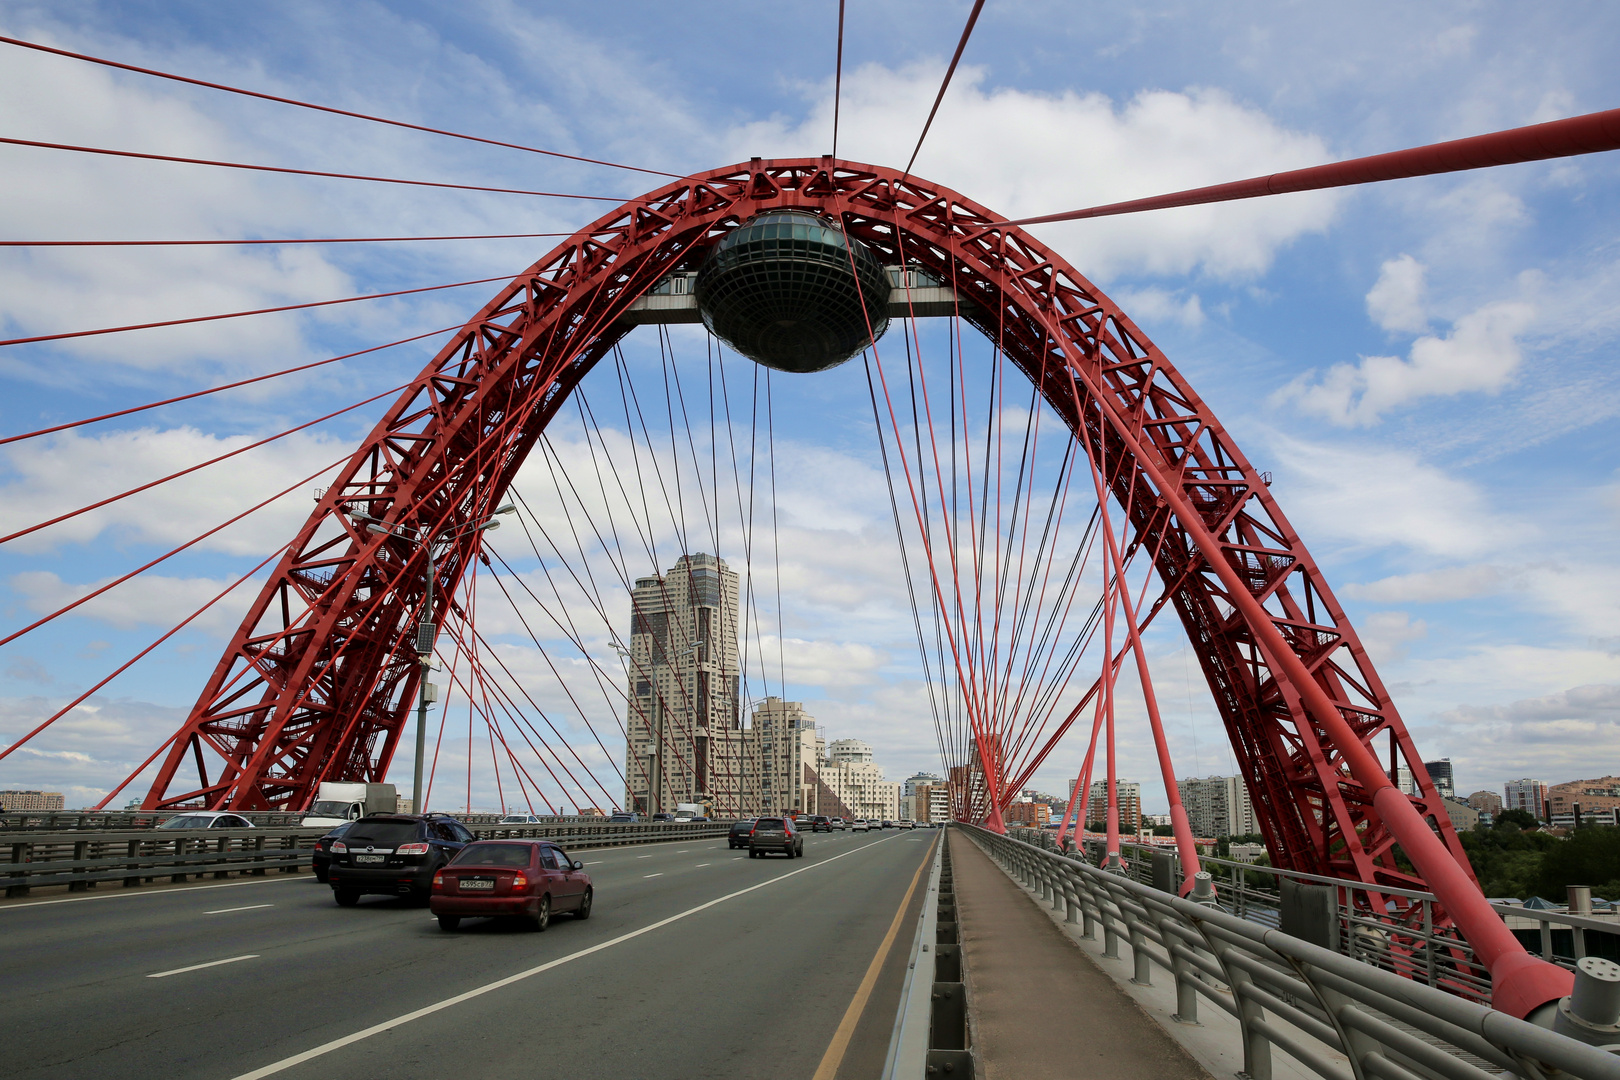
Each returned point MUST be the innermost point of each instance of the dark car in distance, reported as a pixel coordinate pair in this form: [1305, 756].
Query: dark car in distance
[321, 858]
[738, 836]
[816, 823]
[393, 854]
[524, 878]
[775, 834]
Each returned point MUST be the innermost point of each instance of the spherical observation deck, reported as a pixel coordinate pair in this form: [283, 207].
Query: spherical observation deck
[780, 291]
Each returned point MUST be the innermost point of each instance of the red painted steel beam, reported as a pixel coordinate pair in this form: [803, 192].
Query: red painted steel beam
[1589, 134]
[326, 675]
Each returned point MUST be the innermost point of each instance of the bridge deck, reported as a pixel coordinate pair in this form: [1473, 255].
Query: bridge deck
[1041, 1008]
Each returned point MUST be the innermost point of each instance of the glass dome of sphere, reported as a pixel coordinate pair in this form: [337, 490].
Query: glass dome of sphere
[780, 291]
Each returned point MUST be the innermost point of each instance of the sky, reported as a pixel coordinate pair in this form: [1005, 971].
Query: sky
[1426, 367]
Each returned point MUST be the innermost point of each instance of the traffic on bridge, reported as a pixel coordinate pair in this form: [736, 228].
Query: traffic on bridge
[516, 696]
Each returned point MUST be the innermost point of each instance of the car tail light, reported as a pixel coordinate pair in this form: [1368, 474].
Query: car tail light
[411, 849]
[438, 881]
[520, 881]
[339, 846]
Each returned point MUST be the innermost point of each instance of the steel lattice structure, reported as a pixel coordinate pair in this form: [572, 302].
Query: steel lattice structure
[318, 681]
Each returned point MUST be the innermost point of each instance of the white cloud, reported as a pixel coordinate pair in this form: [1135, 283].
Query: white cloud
[1154, 304]
[1480, 354]
[1387, 633]
[1368, 496]
[1022, 153]
[1434, 586]
[1397, 300]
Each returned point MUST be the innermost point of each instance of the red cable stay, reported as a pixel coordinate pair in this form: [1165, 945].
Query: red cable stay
[288, 242]
[295, 172]
[1591, 133]
[319, 108]
[242, 314]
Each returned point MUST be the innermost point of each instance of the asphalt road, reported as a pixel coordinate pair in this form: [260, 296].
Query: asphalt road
[697, 962]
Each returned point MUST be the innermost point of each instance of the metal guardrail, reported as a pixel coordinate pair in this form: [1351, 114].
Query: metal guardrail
[83, 859]
[81, 820]
[1312, 1003]
[1405, 941]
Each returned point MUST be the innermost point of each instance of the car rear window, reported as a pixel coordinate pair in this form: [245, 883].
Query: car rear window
[516, 855]
[382, 833]
[768, 823]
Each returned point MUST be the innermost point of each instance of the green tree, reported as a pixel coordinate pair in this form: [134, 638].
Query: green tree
[1590, 856]
[1521, 818]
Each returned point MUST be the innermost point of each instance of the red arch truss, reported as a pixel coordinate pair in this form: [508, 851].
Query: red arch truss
[319, 678]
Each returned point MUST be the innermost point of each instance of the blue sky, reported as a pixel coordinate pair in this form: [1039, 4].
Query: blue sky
[1427, 367]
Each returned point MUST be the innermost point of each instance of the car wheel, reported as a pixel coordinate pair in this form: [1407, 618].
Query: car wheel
[542, 918]
[584, 909]
[346, 897]
[320, 876]
[752, 854]
[449, 922]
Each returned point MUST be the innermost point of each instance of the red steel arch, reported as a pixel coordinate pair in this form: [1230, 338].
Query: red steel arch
[318, 681]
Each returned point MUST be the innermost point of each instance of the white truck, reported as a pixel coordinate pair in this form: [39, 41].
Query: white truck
[338, 801]
[686, 811]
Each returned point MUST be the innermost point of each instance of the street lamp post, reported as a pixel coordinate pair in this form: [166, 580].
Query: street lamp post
[426, 692]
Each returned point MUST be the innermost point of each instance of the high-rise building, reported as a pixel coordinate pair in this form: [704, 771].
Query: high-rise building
[913, 782]
[1404, 780]
[785, 749]
[1527, 795]
[858, 782]
[685, 738]
[1129, 793]
[30, 802]
[1445, 780]
[928, 802]
[854, 751]
[1218, 806]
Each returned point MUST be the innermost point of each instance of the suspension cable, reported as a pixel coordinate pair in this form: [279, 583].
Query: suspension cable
[973, 17]
[1591, 133]
[244, 314]
[838, 77]
[194, 468]
[283, 242]
[212, 163]
[217, 389]
[319, 108]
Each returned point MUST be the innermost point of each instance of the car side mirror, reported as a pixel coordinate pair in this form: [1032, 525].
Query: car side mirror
[578, 865]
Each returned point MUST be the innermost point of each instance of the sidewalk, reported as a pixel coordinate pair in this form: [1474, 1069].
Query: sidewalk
[1041, 1009]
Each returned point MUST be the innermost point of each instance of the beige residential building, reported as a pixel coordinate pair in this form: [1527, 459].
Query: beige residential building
[30, 802]
[1486, 802]
[860, 786]
[782, 741]
[685, 739]
[1600, 794]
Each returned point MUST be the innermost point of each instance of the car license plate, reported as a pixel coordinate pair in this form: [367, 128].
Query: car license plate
[370, 858]
[477, 883]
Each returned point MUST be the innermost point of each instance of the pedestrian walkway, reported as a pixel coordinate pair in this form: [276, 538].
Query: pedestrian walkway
[1041, 1008]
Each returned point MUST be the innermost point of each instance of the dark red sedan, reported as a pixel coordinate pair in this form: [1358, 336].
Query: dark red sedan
[530, 879]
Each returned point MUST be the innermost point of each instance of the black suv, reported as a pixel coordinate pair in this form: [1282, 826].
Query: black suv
[321, 859]
[738, 836]
[394, 854]
[816, 823]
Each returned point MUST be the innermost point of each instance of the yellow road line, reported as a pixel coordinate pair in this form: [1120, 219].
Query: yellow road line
[834, 1057]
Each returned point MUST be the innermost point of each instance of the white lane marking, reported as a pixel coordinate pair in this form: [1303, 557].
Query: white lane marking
[596, 862]
[643, 856]
[228, 910]
[438, 1006]
[644, 877]
[682, 851]
[154, 892]
[700, 866]
[199, 967]
[737, 858]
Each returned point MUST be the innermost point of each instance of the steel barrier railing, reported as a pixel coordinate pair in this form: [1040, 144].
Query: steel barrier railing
[1310, 1002]
[78, 820]
[1407, 942]
[81, 860]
